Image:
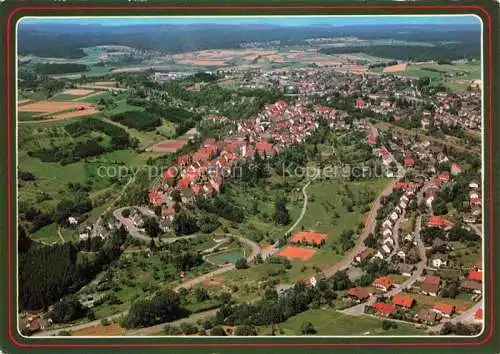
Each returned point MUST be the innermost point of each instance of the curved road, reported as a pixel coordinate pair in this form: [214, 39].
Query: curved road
[267, 252]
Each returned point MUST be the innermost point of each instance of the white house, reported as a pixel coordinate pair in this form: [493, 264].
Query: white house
[83, 236]
[401, 254]
[398, 209]
[394, 216]
[403, 205]
[409, 237]
[387, 233]
[429, 201]
[72, 220]
[386, 248]
[439, 262]
[379, 255]
[474, 185]
[387, 224]
[389, 240]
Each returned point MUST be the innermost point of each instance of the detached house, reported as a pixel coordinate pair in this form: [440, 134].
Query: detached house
[430, 285]
[383, 283]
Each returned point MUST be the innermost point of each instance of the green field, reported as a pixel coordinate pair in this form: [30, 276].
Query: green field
[330, 322]
[27, 116]
[457, 77]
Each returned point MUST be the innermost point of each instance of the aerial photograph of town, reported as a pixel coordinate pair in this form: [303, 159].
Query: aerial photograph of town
[250, 176]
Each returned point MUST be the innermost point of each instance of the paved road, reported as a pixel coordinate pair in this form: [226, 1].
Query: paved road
[159, 328]
[97, 226]
[369, 228]
[78, 327]
[132, 230]
[269, 251]
[467, 316]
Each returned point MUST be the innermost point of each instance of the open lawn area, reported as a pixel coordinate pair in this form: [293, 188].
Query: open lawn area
[462, 303]
[330, 322]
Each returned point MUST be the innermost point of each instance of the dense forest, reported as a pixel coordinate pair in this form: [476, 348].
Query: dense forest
[64, 68]
[138, 120]
[48, 272]
[119, 137]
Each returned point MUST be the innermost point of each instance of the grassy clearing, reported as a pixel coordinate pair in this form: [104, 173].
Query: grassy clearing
[47, 234]
[330, 322]
[424, 302]
[27, 116]
[466, 254]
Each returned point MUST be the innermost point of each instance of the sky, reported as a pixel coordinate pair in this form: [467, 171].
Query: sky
[281, 21]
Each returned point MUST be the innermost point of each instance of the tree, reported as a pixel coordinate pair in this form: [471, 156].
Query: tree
[201, 294]
[176, 196]
[307, 328]
[386, 325]
[241, 263]
[67, 309]
[281, 215]
[126, 213]
[218, 331]
[245, 330]
[151, 226]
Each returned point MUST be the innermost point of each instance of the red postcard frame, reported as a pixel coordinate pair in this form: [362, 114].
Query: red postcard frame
[8, 52]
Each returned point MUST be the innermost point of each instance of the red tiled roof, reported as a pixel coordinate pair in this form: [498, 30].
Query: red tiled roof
[432, 279]
[439, 221]
[403, 300]
[472, 285]
[309, 236]
[383, 281]
[479, 314]
[479, 264]
[384, 308]
[409, 162]
[444, 308]
[475, 276]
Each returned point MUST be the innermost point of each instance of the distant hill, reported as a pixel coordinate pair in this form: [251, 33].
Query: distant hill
[66, 40]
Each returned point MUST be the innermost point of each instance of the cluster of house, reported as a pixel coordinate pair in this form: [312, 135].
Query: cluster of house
[459, 110]
[202, 172]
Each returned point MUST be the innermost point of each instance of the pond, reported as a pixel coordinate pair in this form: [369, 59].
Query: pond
[224, 257]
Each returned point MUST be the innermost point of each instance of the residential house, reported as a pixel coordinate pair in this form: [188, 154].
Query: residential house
[379, 255]
[440, 222]
[357, 294]
[387, 224]
[456, 169]
[386, 248]
[430, 285]
[389, 240]
[387, 233]
[446, 310]
[428, 317]
[479, 266]
[384, 309]
[364, 256]
[383, 283]
[72, 220]
[439, 261]
[404, 301]
[472, 286]
[475, 276]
